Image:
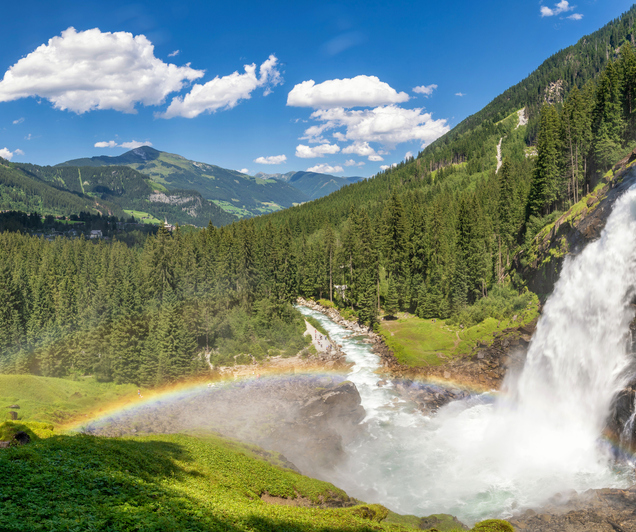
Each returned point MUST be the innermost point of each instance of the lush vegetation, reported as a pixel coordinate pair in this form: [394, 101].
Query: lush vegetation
[171, 482]
[147, 314]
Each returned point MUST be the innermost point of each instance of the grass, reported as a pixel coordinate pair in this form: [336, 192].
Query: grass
[316, 325]
[143, 217]
[169, 482]
[232, 209]
[418, 342]
[58, 401]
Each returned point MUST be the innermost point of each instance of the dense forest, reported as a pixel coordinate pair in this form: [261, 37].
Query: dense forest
[435, 236]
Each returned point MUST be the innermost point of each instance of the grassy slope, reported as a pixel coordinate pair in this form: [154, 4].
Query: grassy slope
[164, 482]
[58, 401]
[420, 342]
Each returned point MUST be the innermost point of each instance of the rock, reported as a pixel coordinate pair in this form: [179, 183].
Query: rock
[441, 522]
[13, 416]
[14, 407]
[4, 444]
[21, 438]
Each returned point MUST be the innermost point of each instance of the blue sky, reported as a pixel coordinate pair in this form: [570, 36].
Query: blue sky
[343, 87]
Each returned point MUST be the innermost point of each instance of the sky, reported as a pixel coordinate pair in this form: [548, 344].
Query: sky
[347, 88]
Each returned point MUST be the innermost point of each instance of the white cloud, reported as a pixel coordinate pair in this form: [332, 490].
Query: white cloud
[28, 137]
[460, 94]
[130, 145]
[87, 70]
[350, 162]
[174, 54]
[575, 16]
[18, 152]
[325, 169]
[6, 154]
[426, 90]
[272, 159]
[307, 152]
[388, 125]
[106, 144]
[244, 171]
[225, 92]
[408, 155]
[360, 148]
[364, 91]
[18, 121]
[376, 158]
[387, 166]
[135, 144]
[562, 7]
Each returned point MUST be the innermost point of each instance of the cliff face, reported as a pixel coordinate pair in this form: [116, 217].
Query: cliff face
[541, 263]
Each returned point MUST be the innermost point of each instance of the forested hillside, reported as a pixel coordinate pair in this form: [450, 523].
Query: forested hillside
[236, 193]
[435, 236]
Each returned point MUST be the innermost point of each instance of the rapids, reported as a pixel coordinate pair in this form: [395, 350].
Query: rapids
[493, 455]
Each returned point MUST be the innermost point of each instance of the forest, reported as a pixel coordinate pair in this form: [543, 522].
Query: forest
[436, 236]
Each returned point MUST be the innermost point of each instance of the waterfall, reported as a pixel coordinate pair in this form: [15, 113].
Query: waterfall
[483, 458]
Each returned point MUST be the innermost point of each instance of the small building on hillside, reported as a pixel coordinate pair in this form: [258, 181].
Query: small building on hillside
[96, 233]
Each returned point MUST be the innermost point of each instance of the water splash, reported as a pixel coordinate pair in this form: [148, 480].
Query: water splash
[482, 458]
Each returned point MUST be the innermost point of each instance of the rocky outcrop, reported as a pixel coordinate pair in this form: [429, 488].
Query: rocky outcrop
[540, 264]
[307, 418]
[604, 510]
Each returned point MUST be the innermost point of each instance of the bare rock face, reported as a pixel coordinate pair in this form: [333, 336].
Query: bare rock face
[309, 419]
[604, 510]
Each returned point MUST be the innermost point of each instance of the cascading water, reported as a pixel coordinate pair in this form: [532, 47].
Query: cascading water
[483, 458]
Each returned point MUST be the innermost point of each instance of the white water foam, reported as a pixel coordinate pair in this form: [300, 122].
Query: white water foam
[481, 458]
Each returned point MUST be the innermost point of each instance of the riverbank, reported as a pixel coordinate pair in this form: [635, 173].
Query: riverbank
[482, 368]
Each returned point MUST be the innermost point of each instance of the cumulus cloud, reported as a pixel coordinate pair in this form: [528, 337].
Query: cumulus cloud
[174, 54]
[426, 90]
[376, 158]
[18, 121]
[307, 152]
[87, 70]
[562, 7]
[361, 91]
[575, 16]
[18, 152]
[226, 92]
[387, 166]
[325, 169]
[272, 159]
[388, 125]
[106, 144]
[409, 155]
[244, 171]
[352, 162]
[113, 144]
[5, 153]
[359, 148]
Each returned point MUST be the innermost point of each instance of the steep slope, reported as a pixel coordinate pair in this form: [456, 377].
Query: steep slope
[315, 185]
[20, 191]
[234, 192]
[131, 193]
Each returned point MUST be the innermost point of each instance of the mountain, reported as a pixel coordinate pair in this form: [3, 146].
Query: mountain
[115, 190]
[236, 193]
[313, 184]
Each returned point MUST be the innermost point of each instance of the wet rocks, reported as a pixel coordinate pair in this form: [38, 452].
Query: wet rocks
[307, 418]
[610, 510]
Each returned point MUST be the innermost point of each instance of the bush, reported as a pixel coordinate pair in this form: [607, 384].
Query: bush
[503, 302]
